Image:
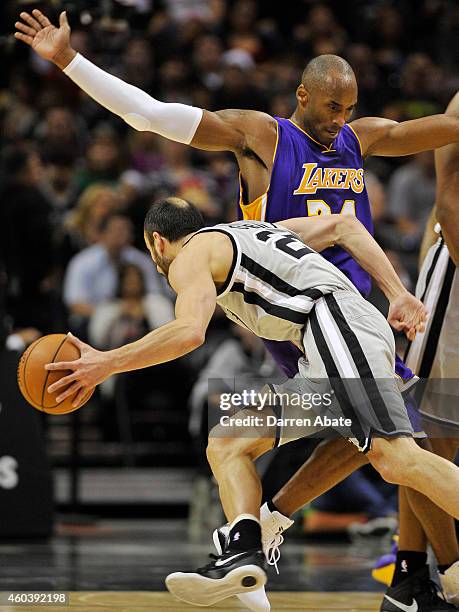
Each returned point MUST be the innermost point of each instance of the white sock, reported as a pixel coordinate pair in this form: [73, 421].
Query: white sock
[274, 518]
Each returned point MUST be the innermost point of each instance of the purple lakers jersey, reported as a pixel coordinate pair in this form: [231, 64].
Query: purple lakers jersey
[309, 179]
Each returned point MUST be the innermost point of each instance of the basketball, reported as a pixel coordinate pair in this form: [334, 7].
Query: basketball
[34, 380]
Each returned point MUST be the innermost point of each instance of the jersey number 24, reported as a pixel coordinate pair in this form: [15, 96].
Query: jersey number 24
[319, 207]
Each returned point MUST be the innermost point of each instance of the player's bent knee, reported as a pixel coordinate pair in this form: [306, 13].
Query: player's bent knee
[221, 449]
[387, 471]
[387, 461]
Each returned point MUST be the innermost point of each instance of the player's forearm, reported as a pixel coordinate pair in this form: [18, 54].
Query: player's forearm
[142, 112]
[166, 343]
[418, 135]
[355, 239]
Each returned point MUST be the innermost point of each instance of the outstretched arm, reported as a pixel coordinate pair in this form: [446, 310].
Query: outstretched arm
[223, 130]
[384, 137]
[406, 312]
[196, 300]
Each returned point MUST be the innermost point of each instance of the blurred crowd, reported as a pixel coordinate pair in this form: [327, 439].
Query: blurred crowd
[76, 181]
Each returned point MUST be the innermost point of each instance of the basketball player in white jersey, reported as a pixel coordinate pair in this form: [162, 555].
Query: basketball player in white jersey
[266, 279]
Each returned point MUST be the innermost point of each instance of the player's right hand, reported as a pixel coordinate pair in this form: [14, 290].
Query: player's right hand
[38, 32]
[407, 314]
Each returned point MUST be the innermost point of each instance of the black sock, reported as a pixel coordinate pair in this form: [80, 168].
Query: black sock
[272, 506]
[442, 568]
[408, 563]
[244, 535]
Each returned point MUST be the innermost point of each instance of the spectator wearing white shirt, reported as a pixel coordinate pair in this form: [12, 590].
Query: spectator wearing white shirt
[130, 315]
[92, 275]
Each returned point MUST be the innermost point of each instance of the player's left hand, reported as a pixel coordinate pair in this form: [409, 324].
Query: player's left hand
[92, 368]
[407, 314]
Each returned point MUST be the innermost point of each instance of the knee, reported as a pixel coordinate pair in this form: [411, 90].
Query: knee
[393, 468]
[221, 449]
[217, 450]
[386, 469]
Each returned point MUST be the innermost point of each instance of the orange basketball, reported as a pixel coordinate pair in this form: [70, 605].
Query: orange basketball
[34, 380]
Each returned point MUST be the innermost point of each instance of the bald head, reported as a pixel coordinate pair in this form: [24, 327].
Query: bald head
[325, 71]
[173, 218]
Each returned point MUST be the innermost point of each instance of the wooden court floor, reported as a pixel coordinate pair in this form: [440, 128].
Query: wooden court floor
[141, 601]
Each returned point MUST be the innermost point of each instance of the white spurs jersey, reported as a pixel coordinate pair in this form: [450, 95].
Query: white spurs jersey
[274, 280]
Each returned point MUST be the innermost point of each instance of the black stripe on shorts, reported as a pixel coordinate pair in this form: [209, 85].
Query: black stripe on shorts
[431, 342]
[363, 367]
[336, 380]
[426, 286]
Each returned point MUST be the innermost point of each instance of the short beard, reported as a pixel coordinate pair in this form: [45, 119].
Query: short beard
[163, 262]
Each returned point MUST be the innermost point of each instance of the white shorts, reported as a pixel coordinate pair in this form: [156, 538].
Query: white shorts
[434, 354]
[351, 352]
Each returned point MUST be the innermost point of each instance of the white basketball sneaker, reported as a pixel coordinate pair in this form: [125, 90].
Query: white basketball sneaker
[273, 524]
[450, 583]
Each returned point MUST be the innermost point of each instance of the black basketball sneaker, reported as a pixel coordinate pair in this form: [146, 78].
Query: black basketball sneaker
[415, 594]
[226, 575]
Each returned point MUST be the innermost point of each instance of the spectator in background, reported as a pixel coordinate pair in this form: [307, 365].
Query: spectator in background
[61, 133]
[82, 227]
[57, 184]
[237, 90]
[131, 314]
[128, 316]
[411, 196]
[174, 80]
[26, 239]
[103, 160]
[207, 53]
[385, 233]
[137, 64]
[19, 114]
[180, 178]
[144, 155]
[92, 274]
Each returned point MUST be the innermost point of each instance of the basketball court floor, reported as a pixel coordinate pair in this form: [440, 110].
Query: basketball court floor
[120, 566]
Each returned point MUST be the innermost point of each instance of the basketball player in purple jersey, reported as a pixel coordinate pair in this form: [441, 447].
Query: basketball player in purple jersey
[309, 164]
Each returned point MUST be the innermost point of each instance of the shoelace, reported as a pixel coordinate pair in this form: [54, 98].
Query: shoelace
[273, 553]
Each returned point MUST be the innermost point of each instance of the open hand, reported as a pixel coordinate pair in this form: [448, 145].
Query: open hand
[49, 42]
[407, 314]
[92, 368]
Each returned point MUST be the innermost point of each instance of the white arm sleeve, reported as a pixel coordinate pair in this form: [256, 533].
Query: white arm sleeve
[177, 122]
